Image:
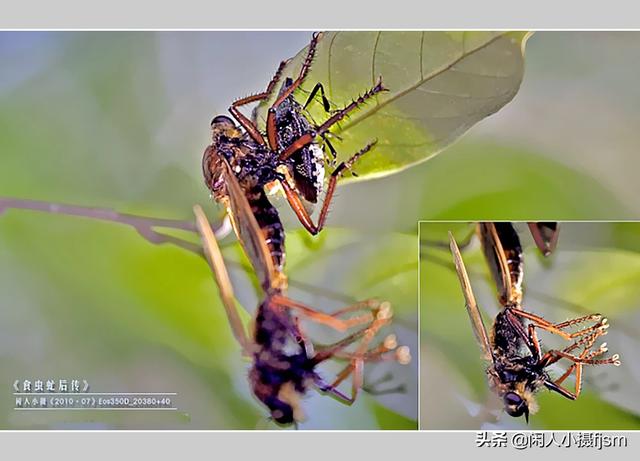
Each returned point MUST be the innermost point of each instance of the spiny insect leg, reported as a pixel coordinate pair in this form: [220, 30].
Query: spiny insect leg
[244, 121]
[296, 202]
[304, 69]
[557, 329]
[335, 118]
[577, 367]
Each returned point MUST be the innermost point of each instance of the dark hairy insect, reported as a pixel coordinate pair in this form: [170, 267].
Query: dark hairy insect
[284, 360]
[517, 364]
[288, 154]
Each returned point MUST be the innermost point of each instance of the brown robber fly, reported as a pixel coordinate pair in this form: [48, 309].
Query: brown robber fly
[517, 364]
[285, 360]
[288, 155]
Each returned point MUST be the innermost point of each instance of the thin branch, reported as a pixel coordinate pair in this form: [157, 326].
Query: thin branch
[145, 226]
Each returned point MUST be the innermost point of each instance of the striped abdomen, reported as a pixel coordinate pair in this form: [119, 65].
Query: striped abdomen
[506, 235]
[269, 222]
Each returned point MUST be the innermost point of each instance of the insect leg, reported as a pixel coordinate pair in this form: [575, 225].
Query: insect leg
[557, 384]
[355, 368]
[557, 328]
[334, 154]
[552, 357]
[379, 312]
[296, 203]
[335, 118]
[533, 340]
[561, 390]
[388, 350]
[578, 367]
[214, 257]
[553, 354]
[304, 69]
[244, 121]
[325, 101]
[336, 393]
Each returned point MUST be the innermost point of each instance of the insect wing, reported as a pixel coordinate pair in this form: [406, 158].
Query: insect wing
[248, 231]
[470, 301]
[497, 260]
[214, 257]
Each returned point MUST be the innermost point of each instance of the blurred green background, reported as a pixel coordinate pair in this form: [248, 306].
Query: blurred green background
[596, 268]
[120, 120]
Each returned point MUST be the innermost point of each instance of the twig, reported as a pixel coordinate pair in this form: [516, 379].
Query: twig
[143, 225]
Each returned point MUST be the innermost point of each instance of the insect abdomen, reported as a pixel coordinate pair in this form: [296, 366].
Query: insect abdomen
[269, 222]
[513, 251]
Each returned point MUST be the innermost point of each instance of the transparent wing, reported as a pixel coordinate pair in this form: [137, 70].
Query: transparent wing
[214, 257]
[470, 301]
[497, 260]
[248, 231]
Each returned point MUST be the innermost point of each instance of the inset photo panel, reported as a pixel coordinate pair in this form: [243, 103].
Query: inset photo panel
[530, 325]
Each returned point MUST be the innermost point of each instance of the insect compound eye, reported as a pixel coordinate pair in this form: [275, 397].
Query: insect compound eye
[222, 119]
[511, 398]
[514, 404]
[281, 412]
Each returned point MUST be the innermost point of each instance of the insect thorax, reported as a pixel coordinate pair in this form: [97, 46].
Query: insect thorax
[513, 365]
[506, 341]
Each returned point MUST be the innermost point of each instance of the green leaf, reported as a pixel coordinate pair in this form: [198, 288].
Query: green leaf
[388, 420]
[483, 181]
[440, 84]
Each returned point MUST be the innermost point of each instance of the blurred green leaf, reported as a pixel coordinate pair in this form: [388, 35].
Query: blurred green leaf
[484, 181]
[606, 280]
[393, 421]
[588, 413]
[108, 300]
[441, 84]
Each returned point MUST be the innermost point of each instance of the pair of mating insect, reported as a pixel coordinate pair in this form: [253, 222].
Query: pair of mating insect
[238, 167]
[517, 365]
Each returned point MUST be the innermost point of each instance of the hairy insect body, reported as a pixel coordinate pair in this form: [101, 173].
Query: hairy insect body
[282, 370]
[514, 369]
[254, 166]
[506, 340]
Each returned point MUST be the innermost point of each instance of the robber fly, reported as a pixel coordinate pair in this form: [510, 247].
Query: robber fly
[284, 360]
[517, 365]
[288, 154]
